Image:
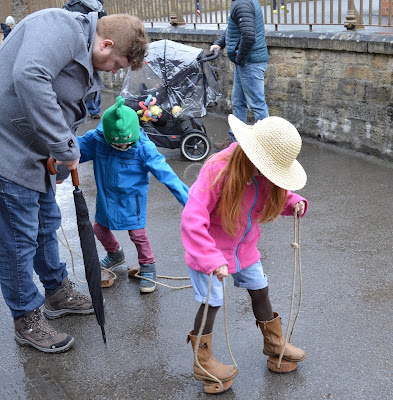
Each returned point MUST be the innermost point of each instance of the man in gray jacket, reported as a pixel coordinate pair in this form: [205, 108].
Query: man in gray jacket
[50, 61]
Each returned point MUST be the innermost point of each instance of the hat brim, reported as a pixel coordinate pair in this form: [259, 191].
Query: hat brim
[290, 178]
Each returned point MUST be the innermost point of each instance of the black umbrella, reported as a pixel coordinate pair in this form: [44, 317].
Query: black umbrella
[89, 249]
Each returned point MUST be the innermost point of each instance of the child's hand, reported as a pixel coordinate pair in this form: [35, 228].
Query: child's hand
[301, 206]
[221, 272]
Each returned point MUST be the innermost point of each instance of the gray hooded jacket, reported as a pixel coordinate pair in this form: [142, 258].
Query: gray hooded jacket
[47, 74]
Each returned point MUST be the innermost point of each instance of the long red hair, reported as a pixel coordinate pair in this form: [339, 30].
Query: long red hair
[232, 179]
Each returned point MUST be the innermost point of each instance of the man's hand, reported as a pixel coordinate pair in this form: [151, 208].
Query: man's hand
[70, 165]
[214, 46]
[221, 272]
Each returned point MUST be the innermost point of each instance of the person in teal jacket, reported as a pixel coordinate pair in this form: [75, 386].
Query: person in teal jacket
[123, 156]
[246, 47]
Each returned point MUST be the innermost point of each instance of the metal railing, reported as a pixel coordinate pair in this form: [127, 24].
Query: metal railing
[352, 14]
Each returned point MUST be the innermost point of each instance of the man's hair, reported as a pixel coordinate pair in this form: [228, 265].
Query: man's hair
[128, 35]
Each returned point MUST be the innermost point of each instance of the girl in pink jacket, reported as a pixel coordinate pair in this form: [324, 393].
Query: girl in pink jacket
[237, 189]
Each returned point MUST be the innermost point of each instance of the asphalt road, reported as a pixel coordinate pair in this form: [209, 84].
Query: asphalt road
[345, 322]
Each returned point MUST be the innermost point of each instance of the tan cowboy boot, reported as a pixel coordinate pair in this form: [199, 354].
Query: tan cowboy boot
[274, 341]
[225, 373]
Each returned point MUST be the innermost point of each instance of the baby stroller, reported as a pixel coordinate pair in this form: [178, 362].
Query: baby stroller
[170, 93]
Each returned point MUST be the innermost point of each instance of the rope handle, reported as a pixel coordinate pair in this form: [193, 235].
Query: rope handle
[165, 277]
[296, 260]
[202, 327]
[72, 251]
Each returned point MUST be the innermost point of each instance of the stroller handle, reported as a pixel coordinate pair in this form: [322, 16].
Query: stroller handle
[209, 56]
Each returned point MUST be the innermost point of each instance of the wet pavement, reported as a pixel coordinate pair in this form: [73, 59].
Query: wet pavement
[345, 323]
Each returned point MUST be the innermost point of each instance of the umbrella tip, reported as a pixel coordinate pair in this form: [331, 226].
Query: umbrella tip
[103, 334]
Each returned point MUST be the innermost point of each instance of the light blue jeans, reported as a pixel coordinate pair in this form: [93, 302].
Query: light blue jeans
[249, 89]
[252, 278]
[28, 242]
[94, 107]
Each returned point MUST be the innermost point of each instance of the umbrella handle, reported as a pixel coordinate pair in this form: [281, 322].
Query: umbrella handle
[52, 170]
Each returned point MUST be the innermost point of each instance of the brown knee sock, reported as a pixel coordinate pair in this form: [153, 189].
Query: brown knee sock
[211, 315]
[261, 305]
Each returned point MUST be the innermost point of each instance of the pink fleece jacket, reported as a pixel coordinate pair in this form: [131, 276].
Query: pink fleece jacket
[206, 243]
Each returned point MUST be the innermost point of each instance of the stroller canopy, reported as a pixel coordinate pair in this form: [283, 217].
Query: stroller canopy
[176, 75]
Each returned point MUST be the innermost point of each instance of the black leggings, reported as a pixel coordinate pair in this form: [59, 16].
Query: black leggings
[261, 307]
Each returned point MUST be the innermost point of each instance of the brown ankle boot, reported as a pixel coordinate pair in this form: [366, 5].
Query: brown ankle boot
[221, 371]
[274, 341]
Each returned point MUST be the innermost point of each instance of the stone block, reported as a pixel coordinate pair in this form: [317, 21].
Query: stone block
[360, 72]
[287, 70]
[381, 61]
[377, 94]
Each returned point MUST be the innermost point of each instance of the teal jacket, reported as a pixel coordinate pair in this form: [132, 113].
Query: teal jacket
[244, 37]
[122, 179]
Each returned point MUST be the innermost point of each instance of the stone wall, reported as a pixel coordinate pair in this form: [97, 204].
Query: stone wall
[335, 87]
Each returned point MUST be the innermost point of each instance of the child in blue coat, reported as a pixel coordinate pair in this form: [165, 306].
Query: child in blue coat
[123, 156]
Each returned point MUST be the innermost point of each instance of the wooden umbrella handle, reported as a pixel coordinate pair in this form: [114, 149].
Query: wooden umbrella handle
[52, 170]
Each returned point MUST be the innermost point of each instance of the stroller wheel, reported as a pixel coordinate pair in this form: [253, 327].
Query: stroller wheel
[195, 146]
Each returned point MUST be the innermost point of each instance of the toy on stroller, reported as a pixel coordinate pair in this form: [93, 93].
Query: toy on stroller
[173, 89]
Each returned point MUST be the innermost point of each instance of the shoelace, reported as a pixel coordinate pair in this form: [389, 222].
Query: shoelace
[71, 292]
[37, 324]
[106, 261]
[146, 275]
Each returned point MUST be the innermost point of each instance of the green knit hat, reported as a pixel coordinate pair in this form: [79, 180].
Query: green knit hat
[121, 125]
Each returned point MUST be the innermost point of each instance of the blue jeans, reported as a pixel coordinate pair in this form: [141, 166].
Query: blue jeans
[249, 89]
[94, 106]
[28, 242]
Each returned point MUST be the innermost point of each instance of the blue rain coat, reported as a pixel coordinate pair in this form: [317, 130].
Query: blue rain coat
[122, 179]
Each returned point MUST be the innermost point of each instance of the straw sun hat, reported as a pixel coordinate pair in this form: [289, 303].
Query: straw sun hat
[272, 145]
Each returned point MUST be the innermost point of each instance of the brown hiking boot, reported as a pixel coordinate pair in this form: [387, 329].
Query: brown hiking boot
[31, 329]
[66, 300]
[223, 145]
